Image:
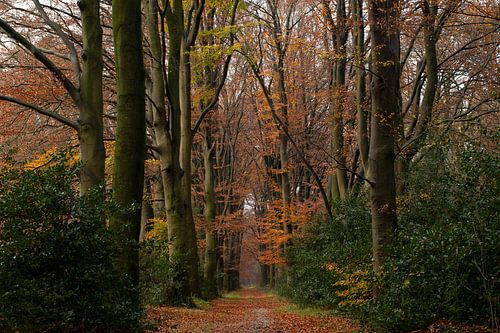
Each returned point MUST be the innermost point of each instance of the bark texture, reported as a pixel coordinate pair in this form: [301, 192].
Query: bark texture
[130, 146]
[361, 112]
[210, 264]
[172, 127]
[92, 154]
[383, 16]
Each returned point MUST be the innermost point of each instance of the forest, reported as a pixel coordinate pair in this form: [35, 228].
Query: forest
[233, 166]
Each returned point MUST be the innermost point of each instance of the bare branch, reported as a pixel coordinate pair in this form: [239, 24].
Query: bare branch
[41, 111]
[40, 56]
[58, 30]
[225, 70]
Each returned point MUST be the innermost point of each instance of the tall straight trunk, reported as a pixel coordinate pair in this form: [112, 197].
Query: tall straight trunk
[185, 160]
[338, 34]
[283, 140]
[383, 16]
[167, 135]
[210, 264]
[147, 212]
[92, 154]
[361, 113]
[280, 40]
[210, 210]
[130, 146]
[158, 196]
[338, 99]
[163, 142]
[283, 151]
[429, 9]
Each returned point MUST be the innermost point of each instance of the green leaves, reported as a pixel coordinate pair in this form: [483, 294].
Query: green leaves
[57, 258]
[444, 262]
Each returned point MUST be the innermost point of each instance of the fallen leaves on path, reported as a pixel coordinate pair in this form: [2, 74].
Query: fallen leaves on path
[250, 312]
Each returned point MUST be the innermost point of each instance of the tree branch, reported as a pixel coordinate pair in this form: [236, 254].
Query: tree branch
[222, 81]
[44, 112]
[40, 56]
[283, 127]
[193, 30]
[58, 30]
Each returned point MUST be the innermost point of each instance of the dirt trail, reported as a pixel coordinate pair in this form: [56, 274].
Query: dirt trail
[247, 311]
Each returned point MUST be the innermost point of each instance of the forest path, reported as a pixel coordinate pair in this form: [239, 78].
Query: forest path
[246, 311]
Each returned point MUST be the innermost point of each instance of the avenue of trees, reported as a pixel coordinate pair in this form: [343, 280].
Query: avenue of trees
[350, 146]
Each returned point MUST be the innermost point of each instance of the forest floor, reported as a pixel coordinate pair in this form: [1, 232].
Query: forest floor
[247, 311]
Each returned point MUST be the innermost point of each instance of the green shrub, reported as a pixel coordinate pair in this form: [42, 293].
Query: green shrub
[445, 260]
[56, 256]
[159, 282]
[328, 253]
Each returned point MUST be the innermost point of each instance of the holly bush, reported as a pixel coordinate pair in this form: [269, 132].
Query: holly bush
[57, 271]
[444, 262]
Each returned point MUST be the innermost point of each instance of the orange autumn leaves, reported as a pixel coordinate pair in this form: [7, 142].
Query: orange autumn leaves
[353, 288]
[272, 231]
[248, 310]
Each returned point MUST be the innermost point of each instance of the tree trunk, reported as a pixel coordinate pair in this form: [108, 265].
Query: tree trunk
[185, 160]
[383, 16]
[264, 275]
[418, 131]
[338, 99]
[232, 255]
[158, 196]
[130, 146]
[361, 113]
[92, 154]
[174, 142]
[210, 265]
[147, 213]
[429, 9]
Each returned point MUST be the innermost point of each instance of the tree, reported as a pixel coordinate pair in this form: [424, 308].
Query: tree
[384, 22]
[128, 168]
[278, 21]
[359, 53]
[173, 128]
[92, 153]
[172, 141]
[86, 95]
[338, 32]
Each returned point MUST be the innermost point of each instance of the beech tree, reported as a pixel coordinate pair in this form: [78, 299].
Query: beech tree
[86, 93]
[173, 128]
[338, 33]
[384, 22]
[128, 166]
[213, 148]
